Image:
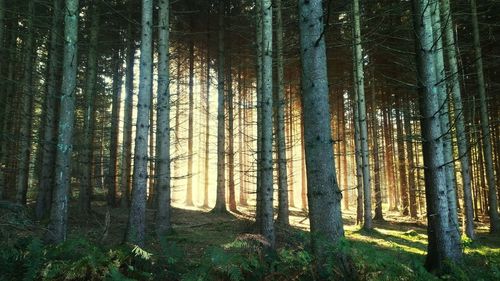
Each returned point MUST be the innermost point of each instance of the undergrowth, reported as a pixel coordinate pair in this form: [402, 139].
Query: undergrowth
[245, 258]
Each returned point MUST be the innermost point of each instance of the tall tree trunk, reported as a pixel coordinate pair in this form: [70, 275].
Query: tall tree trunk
[412, 185]
[376, 162]
[358, 159]
[343, 154]
[445, 126]
[241, 136]
[291, 178]
[125, 181]
[220, 202]
[359, 79]
[403, 179]
[283, 209]
[44, 195]
[440, 247]
[303, 173]
[189, 187]
[324, 195]
[267, 220]
[485, 127]
[59, 213]
[137, 215]
[258, 34]
[162, 167]
[207, 122]
[230, 132]
[111, 176]
[389, 152]
[26, 109]
[89, 115]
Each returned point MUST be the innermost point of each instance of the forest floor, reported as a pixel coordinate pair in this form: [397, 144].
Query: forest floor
[394, 249]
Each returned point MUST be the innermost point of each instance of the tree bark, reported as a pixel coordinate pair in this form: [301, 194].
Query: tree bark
[59, 213]
[137, 215]
[220, 202]
[163, 176]
[440, 246]
[324, 195]
[403, 179]
[283, 209]
[44, 195]
[359, 79]
[189, 187]
[87, 156]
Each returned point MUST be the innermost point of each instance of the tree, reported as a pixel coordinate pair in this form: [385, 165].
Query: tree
[26, 109]
[220, 203]
[89, 115]
[485, 127]
[163, 177]
[363, 128]
[283, 212]
[137, 215]
[323, 194]
[59, 213]
[44, 195]
[267, 219]
[441, 246]
[462, 141]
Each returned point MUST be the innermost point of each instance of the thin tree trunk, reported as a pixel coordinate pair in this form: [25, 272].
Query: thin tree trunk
[220, 202]
[485, 128]
[389, 146]
[111, 176]
[303, 174]
[363, 127]
[230, 131]
[403, 179]
[162, 167]
[376, 162]
[137, 216]
[59, 213]
[44, 195]
[87, 156]
[26, 109]
[189, 187]
[241, 132]
[359, 161]
[207, 123]
[291, 178]
[345, 183]
[283, 209]
[267, 220]
[125, 181]
[412, 186]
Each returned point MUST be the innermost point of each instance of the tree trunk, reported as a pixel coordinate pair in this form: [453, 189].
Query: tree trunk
[403, 179]
[267, 220]
[26, 109]
[283, 210]
[411, 165]
[324, 195]
[440, 247]
[125, 181]
[485, 128]
[291, 178]
[59, 213]
[389, 146]
[111, 176]
[207, 123]
[44, 195]
[220, 202]
[445, 126]
[137, 215]
[303, 174]
[89, 115]
[358, 159]
[189, 187]
[230, 131]
[376, 162]
[162, 167]
[363, 128]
